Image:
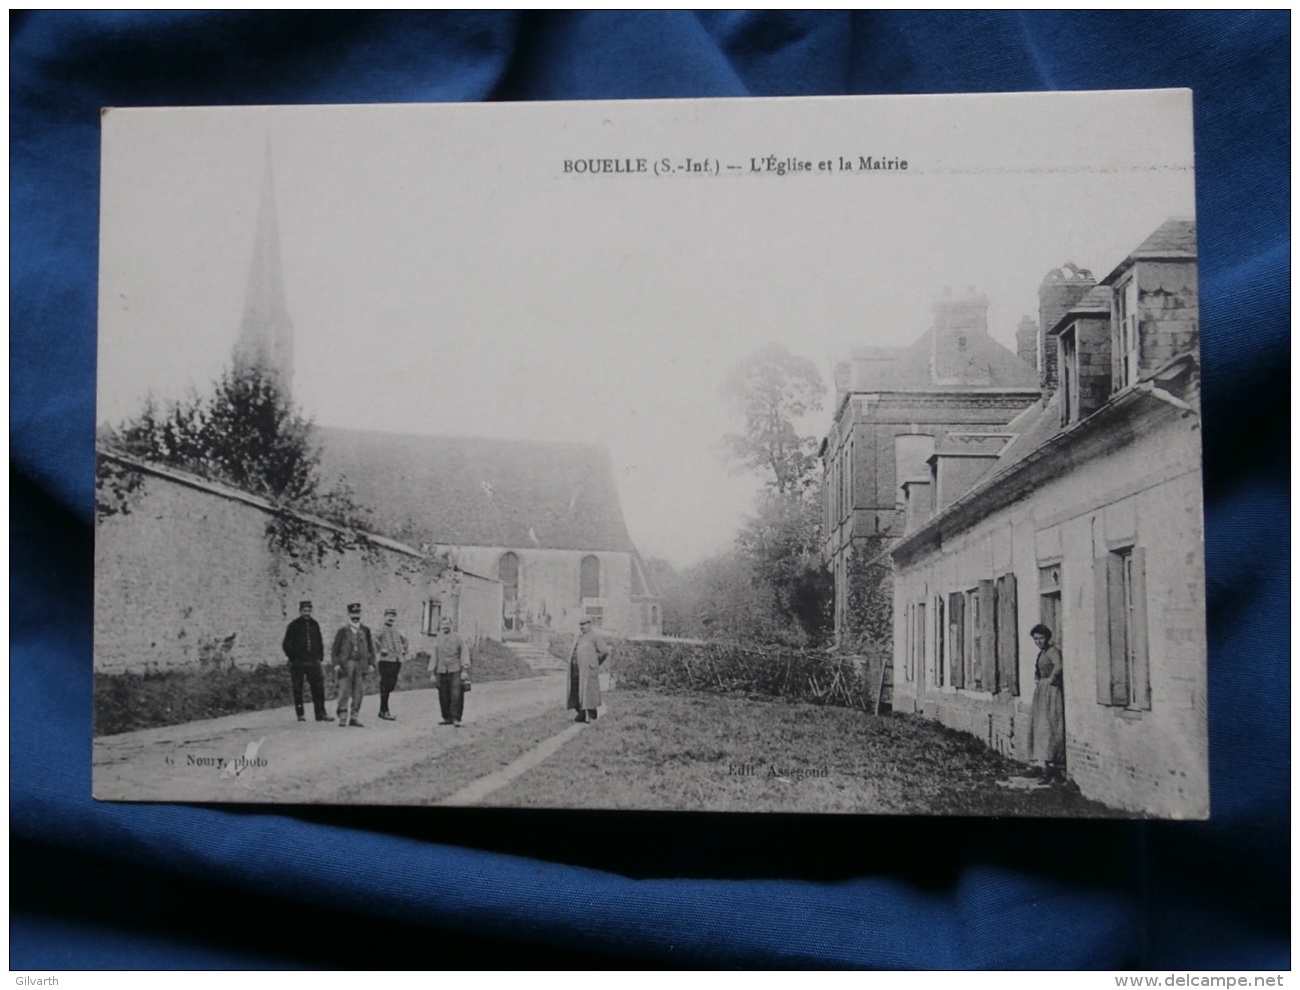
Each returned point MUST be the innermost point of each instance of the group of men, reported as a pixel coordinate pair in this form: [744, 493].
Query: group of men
[357, 652]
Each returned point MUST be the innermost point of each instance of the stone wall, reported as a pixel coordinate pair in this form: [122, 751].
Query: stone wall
[186, 576]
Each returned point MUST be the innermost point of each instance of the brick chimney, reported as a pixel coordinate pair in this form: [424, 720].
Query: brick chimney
[1027, 341]
[1061, 289]
[958, 319]
[843, 380]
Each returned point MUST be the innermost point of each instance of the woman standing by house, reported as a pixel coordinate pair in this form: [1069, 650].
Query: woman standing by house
[1047, 717]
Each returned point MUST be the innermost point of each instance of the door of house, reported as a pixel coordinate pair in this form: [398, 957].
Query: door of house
[1049, 612]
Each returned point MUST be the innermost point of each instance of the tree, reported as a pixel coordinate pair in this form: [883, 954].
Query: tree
[246, 434]
[772, 389]
[726, 600]
[869, 599]
[782, 541]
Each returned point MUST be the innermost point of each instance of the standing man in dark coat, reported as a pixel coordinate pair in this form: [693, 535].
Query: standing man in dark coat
[305, 649]
[392, 647]
[590, 651]
[354, 658]
[450, 666]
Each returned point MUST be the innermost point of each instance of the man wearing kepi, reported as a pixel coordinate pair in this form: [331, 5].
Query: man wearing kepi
[590, 651]
[392, 649]
[305, 649]
[450, 667]
[354, 656]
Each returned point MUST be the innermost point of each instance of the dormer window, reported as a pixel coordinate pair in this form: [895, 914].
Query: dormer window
[1127, 339]
[1070, 404]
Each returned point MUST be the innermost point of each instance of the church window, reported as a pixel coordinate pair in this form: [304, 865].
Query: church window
[508, 572]
[589, 576]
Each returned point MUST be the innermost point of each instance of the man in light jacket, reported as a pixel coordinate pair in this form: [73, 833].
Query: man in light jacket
[450, 667]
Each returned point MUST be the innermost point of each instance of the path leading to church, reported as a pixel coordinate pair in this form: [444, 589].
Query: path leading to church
[269, 756]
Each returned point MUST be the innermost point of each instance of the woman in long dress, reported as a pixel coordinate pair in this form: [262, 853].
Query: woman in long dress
[1047, 717]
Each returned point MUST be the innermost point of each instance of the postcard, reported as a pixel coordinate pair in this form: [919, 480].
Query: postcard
[819, 455]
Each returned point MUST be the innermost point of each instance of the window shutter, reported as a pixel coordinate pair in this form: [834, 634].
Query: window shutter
[956, 638]
[1008, 648]
[921, 652]
[1101, 628]
[986, 673]
[1140, 689]
[909, 646]
[939, 631]
[1117, 613]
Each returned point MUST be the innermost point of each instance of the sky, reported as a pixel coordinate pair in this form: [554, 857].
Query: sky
[447, 273]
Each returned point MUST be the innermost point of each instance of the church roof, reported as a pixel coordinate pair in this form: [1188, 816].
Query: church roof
[462, 491]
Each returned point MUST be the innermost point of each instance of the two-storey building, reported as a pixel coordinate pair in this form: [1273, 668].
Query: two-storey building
[1084, 514]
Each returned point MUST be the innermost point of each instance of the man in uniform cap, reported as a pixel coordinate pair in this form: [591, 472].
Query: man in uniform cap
[354, 656]
[305, 649]
[392, 647]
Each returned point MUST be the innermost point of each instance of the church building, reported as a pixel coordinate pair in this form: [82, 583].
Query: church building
[543, 518]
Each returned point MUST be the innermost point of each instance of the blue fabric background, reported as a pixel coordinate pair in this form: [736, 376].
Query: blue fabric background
[108, 886]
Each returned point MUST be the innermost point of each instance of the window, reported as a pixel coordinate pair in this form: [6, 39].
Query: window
[508, 572]
[844, 482]
[1069, 345]
[918, 640]
[976, 647]
[431, 619]
[589, 577]
[1127, 349]
[1123, 670]
[956, 641]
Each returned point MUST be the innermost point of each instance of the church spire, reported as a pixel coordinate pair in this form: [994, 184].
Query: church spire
[266, 332]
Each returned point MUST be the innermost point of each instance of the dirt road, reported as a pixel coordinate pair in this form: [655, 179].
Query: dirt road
[269, 756]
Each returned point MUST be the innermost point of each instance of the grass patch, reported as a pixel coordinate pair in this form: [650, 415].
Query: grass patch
[127, 702]
[718, 753]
